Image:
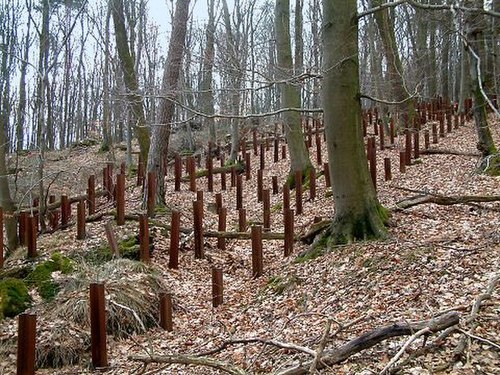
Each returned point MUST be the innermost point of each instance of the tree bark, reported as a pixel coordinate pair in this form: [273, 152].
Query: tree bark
[207, 95]
[161, 133]
[358, 213]
[395, 70]
[129, 76]
[290, 94]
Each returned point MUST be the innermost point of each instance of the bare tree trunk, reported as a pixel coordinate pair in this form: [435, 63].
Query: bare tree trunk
[290, 94]
[385, 25]
[207, 95]
[161, 133]
[21, 109]
[129, 77]
[475, 24]
[236, 81]
[8, 43]
[358, 214]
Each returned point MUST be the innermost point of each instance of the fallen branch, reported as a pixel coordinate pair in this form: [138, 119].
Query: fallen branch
[462, 343]
[443, 200]
[189, 360]
[243, 235]
[217, 170]
[401, 351]
[367, 340]
[448, 152]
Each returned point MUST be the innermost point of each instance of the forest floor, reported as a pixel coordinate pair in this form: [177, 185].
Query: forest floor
[436, 259]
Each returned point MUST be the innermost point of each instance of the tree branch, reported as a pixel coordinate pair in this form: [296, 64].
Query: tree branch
[374, 337]
[416, 4]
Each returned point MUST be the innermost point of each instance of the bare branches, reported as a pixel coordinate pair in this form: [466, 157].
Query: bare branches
[401, 351]
[374, 337]
[416, 4]
[321, 357]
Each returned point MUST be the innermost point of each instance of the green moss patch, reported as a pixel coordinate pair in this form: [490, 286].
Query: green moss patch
[14, 297]
[41, 276]
[128, 248]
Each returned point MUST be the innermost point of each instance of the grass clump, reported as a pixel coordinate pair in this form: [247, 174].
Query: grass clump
[128, 248]
[131, 297]
[14, 297]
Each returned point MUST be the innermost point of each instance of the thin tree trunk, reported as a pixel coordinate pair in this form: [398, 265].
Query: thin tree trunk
[161, 133]
[290, 94]
[129, 77]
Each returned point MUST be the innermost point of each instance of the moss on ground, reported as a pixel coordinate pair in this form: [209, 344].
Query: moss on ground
[41, 276]
[14, 297]
[128, 248]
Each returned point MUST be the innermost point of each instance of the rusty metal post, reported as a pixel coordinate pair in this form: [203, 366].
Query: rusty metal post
[259, 185]
[387, 169]
[402, 161]
[312, 183]
[166, 311]
[32, 232]
[120, 199]
[65, 211]
[144, 253]
[257, 260]
[242, 220]
[275, 185]
[266, 199]
[80, 221]
[26, 344]
[198, 229]
[98, 326]
[91, 194]
[221, 242]
[210, 173]
[239, 192]
[288, 219]
[175, 227]
[298, 192]
[416, 144]
[217, 287]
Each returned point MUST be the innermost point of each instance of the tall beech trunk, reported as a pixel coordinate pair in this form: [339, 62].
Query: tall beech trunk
[130, 77]
[236, 80]
[290, 94]
[207, 95]
[395, 70]
[475, 24]
[161, 133]
[358, 213]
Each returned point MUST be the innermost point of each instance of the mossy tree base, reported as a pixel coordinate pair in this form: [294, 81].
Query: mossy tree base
[345, 229]
[349, 228]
